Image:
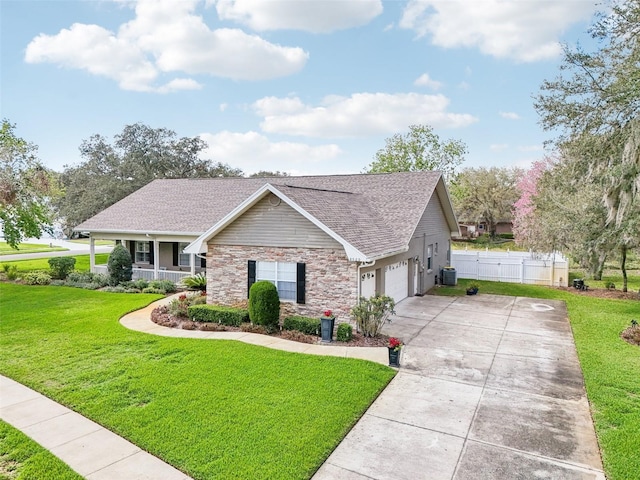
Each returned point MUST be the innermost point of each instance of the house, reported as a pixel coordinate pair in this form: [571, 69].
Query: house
[322, 240]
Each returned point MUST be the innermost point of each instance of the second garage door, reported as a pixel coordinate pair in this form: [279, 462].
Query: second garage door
[396, 280]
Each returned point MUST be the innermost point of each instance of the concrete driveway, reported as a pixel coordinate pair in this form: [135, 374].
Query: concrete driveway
[489, 388]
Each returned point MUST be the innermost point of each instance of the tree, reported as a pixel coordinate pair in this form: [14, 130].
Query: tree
[594, 105]
[419, 150]
[486, 194]
[138, 155]
[268, 173]
[26, 188]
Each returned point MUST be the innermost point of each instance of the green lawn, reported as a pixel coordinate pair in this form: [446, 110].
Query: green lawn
[212, 408]
[611, 368]
[82, 263]
[23, 459]
[5, 249]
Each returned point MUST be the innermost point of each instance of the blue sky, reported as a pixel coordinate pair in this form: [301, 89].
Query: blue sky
[303, 86]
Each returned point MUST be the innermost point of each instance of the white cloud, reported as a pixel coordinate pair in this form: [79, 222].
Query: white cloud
[526, 31]
[308, 15]
[165, 37]
[223, 106]
[361, 114]
[425, 81]
[510, 115]
[252, 152]
[498, 147]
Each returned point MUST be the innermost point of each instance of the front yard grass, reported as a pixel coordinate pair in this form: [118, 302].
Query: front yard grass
[211, 408]
[82, 263]
[22, 458]
[5, 249]
[611, 367]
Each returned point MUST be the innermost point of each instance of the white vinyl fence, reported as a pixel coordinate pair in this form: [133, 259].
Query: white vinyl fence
[512, 267]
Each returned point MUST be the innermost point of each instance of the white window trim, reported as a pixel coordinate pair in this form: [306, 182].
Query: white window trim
[181, 247]
[276, 280]
[430, 259]
[145, 251]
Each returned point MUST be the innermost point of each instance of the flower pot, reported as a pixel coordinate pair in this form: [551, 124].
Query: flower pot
[472, 291]
[394, 357]
[326, 328]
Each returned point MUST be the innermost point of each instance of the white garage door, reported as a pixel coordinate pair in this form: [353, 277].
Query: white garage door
[396, 280]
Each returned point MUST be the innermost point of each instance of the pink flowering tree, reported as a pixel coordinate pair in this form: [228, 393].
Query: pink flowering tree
[525, 221]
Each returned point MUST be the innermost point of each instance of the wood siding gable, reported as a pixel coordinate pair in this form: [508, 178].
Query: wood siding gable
[433, 221]
[273, 223]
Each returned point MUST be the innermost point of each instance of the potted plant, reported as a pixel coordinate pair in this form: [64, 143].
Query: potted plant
[327, 322]
[472, 288]
[394, 347]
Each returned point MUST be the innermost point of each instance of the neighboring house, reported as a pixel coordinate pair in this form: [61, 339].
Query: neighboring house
[323, 240]
[473, 230]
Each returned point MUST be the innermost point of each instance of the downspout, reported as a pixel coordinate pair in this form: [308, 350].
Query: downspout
[363, 264]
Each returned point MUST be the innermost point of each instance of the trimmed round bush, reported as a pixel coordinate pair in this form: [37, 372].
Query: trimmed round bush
[344, 332]
[37, 278]
[119, 265]
[264, 304]
[61, 267]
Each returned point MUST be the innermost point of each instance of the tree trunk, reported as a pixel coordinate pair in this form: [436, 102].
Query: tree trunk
[596, 265]
[623, 266]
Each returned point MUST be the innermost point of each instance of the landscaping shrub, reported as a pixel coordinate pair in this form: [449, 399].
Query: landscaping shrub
[37, 278]
[116, 289]
[344, 332]
[371, 313]
[11, 271]
[61, 267]
[196, 282]
[218, 314]
[87, 280]
[119, 265]
[58, 283]
[264, 304]
[308, 325]
[178, 307]
[153, 290]
[167, 286]
[139, 283]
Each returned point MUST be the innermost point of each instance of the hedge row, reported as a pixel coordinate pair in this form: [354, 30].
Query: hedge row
[308, 325]
[230, 316]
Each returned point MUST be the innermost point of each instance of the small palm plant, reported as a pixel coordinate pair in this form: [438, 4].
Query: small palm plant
[196, 282]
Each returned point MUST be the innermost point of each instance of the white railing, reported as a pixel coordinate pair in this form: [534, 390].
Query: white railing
[513, 267]
[147, 274]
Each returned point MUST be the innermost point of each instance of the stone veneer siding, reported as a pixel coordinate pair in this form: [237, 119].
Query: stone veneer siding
[330, 277]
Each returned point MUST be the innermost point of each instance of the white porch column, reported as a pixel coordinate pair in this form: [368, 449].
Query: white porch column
[156, 258]
[92, 254]
[192, 262]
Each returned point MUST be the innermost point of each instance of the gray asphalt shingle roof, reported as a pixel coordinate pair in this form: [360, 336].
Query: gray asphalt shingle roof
[376, 213]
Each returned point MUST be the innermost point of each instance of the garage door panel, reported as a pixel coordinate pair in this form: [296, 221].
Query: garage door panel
[396, 283]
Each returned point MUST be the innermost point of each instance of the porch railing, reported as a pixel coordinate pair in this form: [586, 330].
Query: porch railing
[147, 274]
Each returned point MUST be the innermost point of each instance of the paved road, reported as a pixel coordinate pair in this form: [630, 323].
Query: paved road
[489, 388]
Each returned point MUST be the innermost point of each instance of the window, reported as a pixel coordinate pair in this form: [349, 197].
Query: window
[282, 275]
[184, 259]
[429, 257]
[143, 254]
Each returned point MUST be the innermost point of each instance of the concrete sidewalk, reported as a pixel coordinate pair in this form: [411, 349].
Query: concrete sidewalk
[88, 448]
[140, 320]
[489, 388]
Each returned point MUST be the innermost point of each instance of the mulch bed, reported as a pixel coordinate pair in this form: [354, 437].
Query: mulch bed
[162, 317]
[631, 335]
[604, 293]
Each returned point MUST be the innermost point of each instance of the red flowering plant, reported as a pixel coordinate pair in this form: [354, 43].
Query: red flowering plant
[328, 313]
[395, 343]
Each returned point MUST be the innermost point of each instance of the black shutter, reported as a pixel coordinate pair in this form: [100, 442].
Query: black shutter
[251, 277]
[151, 253]
[175, 254]
[132, 250]
[203, 262]
[301, 283]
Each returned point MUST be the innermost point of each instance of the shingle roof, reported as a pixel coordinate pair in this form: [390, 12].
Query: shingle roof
[376, 213]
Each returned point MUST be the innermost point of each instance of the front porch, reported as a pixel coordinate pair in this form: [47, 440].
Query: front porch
[148, 273]
[154, 257]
